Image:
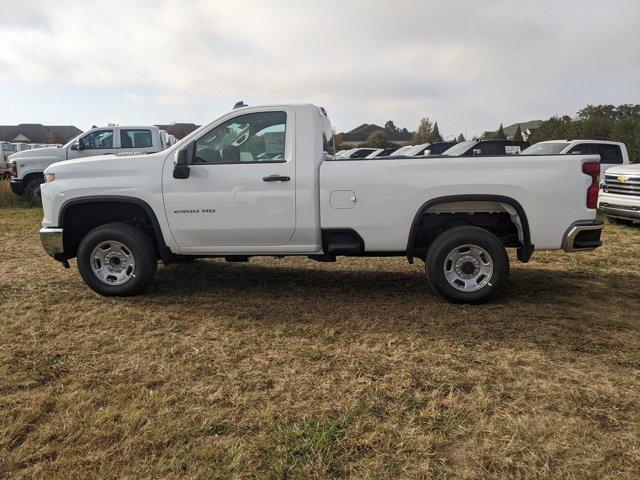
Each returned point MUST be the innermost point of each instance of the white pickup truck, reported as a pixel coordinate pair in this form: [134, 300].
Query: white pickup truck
[619, 196]
[611, 153]
[263, 180]
[27, 166]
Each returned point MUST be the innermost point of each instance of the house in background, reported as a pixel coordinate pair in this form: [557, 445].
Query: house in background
[360, 134]
[38, 133]
[527, 129]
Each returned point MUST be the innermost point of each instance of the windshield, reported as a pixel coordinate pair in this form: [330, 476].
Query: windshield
[546, 148]
[459, 149]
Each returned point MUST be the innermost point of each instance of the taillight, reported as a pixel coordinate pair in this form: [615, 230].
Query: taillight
[593, 170]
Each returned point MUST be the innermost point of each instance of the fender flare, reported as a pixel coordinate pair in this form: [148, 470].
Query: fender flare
[524, 252]
[165, 251]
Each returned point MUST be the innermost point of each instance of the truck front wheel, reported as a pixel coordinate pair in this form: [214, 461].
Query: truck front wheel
[467, 265]
[32, 191]
[117, 260]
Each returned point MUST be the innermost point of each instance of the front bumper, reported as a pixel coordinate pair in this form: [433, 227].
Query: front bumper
[583, 235]
[627, 212]
[16, 186]
[52, 243]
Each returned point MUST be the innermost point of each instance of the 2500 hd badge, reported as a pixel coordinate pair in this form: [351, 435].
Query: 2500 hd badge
[204, 210]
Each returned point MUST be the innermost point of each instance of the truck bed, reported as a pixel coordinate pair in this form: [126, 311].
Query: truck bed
[389, 191]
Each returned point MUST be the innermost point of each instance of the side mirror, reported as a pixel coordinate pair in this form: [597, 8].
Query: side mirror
[181, 168]
[78, 145]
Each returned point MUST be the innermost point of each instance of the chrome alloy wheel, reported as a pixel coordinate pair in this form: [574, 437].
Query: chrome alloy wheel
[468, 268]
[112, 262]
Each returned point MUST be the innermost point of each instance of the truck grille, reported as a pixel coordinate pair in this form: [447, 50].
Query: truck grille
[622, 184]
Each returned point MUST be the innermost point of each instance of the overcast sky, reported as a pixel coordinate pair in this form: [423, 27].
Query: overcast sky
[468, 64]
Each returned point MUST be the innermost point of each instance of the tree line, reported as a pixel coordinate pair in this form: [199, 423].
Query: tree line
[427, 132]
[596, 122]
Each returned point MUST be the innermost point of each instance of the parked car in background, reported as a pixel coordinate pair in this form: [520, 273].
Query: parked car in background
[6, 150]
[27, 167]
[360, 152]
[21, 147]
[382, 152]
[401, 151]
[427, 149]
[611, 153]
[473, 148]
[619, 197]
[263, 181]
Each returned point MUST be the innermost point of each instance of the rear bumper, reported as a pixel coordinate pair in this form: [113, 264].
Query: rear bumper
[583, 235]
[16, 186]
[51, 239]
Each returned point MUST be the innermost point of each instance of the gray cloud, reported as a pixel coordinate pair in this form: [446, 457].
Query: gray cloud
[468, 64]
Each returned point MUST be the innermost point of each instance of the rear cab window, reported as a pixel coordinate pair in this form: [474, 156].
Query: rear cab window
[611, 154]
[135, 138]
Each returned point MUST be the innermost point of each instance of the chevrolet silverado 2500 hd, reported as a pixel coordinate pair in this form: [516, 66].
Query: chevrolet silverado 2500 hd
[263, 180]
[27, 167]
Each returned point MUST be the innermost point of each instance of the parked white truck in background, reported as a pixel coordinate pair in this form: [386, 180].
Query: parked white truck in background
[27, 166]
[263, 180]
[619, 196]
[611, 153]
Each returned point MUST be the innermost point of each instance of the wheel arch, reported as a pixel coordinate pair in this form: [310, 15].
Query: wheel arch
[32, 176]
[524, 252]
[109, 202]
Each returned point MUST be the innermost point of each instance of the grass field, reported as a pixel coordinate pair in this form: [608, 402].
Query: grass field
[295, 369]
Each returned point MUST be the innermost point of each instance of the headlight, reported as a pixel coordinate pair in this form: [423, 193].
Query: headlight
[49, 177]
[13, 168]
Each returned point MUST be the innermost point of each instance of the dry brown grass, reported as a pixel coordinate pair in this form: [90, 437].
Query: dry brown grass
[294, 369]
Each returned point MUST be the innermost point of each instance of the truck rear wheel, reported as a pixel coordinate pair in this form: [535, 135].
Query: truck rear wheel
[32, 191]
[467, 265]
[117, 260]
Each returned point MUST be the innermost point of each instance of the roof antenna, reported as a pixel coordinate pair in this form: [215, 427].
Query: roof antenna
[240, 104]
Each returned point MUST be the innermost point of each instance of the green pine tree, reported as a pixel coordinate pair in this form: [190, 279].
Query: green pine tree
[435, 134]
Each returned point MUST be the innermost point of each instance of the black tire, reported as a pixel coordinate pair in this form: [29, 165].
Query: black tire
[457, 237]
[32, 191]
[139, 245]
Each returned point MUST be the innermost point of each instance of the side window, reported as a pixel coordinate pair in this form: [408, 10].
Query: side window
[135, 138]
[581, 149]
[485, 148]
[250, 138]
[609, 153]
[97, 140]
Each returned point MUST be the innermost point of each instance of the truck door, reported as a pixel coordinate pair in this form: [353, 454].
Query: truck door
[96, 142]
[241, 185]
